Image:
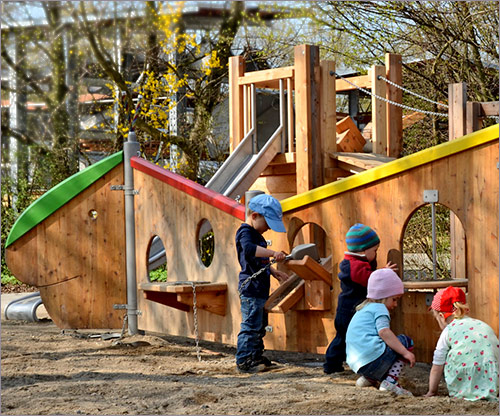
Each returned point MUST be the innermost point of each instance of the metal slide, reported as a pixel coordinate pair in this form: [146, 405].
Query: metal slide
[239, 171]
[245, 164]
[24, 308]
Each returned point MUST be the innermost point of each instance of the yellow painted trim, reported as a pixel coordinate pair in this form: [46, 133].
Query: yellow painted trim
[392, 168]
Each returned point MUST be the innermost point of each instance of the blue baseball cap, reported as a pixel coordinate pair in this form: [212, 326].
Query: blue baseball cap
[270, 208]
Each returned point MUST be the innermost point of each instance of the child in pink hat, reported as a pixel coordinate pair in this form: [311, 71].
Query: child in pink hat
[466, 352]
[373, 350]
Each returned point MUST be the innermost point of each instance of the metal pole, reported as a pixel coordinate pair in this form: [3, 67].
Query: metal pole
[433, 212]
[130, 148]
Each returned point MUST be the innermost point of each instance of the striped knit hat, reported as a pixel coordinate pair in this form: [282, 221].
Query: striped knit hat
[360, 238]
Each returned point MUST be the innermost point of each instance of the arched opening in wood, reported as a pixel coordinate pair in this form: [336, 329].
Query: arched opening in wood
[450, 245]
[156, 260]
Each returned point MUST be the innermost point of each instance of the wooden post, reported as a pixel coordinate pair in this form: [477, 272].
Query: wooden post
[328, 113]
[457, 110]
[474, 111]
[379, 111]
[290, 117]
[457, 117]
[394, 73]
[236, 70]
[308, 151]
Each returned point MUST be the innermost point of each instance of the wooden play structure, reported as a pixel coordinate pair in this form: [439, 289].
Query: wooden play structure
[70, 243]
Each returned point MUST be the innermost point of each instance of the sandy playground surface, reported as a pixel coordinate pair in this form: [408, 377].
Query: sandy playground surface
[48, 371]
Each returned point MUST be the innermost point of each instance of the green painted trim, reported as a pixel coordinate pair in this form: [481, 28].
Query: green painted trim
[59, 195]
[392, 168]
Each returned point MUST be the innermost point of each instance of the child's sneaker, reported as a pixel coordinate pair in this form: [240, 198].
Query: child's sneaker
[266, 361]
[394, 388]
[250, 366]
[365, 382]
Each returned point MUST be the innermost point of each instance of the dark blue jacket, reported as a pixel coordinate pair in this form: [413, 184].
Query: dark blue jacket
[354, 272]
[247, 240]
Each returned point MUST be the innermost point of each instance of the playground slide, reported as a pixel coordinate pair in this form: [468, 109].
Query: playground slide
[244, 165]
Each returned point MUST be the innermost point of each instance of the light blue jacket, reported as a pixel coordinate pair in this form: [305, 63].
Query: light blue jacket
[363, 343]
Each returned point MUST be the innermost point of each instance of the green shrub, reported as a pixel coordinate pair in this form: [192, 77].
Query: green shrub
[159, 274]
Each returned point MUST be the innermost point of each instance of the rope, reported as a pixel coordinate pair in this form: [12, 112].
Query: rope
[411, 92]
[389, 101]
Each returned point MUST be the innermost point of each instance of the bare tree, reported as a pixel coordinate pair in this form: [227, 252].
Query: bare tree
[198, 72]
[38, 55]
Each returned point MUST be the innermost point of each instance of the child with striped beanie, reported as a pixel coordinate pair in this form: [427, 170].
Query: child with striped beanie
[358, 264]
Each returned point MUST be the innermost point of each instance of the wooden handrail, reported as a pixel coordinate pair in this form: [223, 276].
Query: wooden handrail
[267, 76]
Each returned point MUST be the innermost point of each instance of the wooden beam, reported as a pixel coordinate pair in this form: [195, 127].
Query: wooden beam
[457, 127]
[473, 123]
[435, 284]
[309, 163]
[490, 108]
[290, 116]
[363, 81]
[260, 78]
[394, 73]
[236, 70]
[379, 111]
[328, 112]
[457, 110]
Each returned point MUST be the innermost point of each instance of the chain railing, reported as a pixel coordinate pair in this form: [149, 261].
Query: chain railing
[378, 97]
[411, 92]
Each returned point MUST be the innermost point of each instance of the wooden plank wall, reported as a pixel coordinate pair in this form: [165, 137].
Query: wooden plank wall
[78, 263]
[385, 205]
[174, 216]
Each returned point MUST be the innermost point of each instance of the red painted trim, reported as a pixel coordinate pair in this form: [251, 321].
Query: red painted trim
[188, 186]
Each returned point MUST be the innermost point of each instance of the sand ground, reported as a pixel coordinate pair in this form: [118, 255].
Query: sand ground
[48, 371]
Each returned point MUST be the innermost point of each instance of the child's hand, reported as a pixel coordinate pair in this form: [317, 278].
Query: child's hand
[279, 256]
[410, 357]
[280, 276]
[392, 266]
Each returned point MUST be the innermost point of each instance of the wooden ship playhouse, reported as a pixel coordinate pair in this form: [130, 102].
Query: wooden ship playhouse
[71, 244]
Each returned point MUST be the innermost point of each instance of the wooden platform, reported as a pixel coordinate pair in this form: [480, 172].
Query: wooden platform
[180, 295]
[435, 284]
[359, 162]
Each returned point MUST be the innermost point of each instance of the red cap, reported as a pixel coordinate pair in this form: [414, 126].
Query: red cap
[444, 299]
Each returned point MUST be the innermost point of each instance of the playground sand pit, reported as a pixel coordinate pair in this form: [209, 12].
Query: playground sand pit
[49, 371]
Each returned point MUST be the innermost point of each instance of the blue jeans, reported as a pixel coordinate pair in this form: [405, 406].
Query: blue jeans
[378, 369]
[335, 354]
[253, 323]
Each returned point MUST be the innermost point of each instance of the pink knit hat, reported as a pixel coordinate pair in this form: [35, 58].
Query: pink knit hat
[384, 283]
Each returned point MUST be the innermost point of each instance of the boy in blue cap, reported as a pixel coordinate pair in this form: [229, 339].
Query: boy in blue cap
[359, 262]
[264, 213]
